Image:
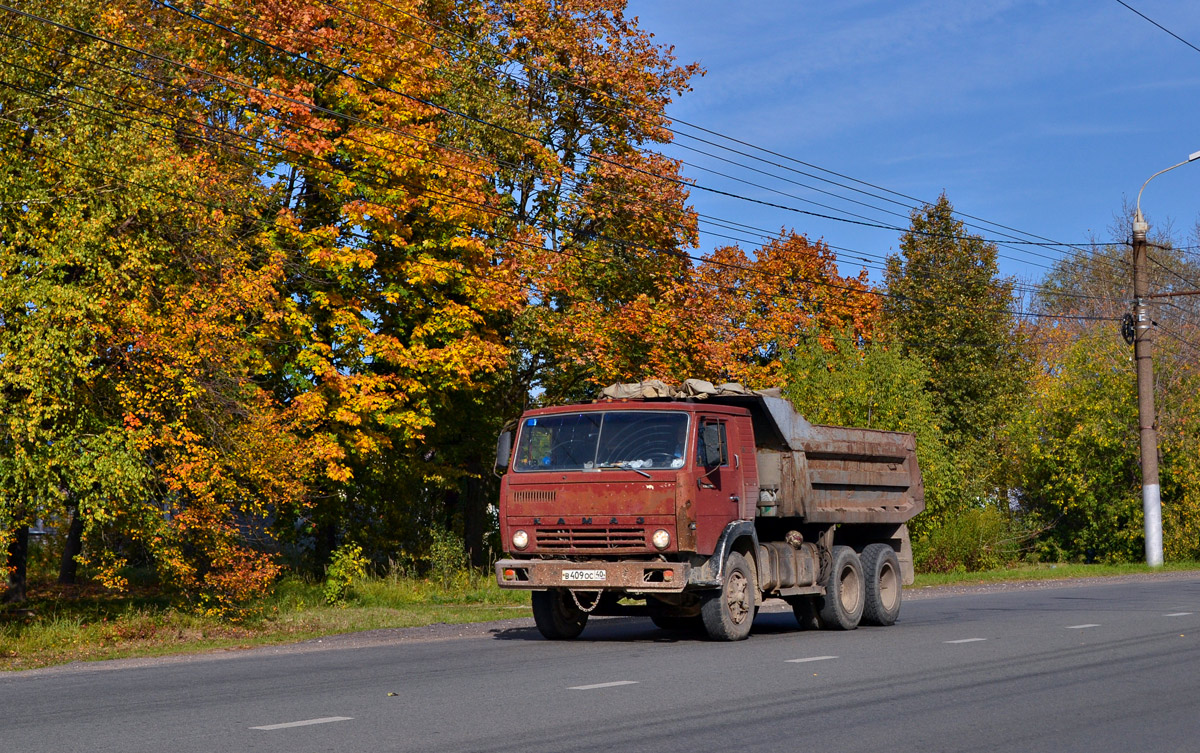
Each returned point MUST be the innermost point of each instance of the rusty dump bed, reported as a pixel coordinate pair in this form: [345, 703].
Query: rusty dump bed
[834, 474]
[823, 474]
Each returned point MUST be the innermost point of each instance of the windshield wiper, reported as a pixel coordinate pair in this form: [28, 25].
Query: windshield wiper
[625, 466]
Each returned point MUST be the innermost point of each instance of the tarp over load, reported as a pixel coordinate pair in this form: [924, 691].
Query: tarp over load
[693, 388]
[823, 474]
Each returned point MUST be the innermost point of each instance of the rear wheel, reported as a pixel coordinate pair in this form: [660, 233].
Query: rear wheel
[556, 615]
[842, 606]
[881, 571]
[728, 614]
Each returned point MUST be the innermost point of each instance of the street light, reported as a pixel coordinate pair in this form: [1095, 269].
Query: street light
[1142, 352]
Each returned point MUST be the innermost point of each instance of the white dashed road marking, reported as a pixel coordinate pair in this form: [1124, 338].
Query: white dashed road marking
[1177, 614]
[1081, 627]
[306, 722]
[808, 659]
[966, 640]
[599, 685]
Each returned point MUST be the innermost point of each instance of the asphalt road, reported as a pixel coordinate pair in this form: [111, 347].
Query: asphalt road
[1113, 667]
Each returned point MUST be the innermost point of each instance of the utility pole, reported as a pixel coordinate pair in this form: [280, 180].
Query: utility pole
[1143, 349]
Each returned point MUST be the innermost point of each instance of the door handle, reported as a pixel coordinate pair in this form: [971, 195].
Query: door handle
[734, 498]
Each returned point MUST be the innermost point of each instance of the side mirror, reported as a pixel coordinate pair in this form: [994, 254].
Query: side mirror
[504, 449]
[711, 436]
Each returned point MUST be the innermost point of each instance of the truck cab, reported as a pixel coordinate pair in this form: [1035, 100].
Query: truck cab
[608, 480]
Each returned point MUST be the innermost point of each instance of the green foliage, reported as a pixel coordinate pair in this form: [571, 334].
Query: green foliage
[346, 565]
[877, 387]
[947, 306]
[1079, 452]
[1080, 446]
[974, 540]
[448, 564]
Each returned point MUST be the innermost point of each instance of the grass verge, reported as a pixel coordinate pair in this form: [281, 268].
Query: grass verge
[1045, 572]
[61, 625]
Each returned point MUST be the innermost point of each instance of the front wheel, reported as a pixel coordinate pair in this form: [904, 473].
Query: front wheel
[556, 615]
[842, 606]
[729, 613]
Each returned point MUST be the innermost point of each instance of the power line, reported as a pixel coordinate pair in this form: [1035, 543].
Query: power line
[1156, 23]
[718, 288]
[367, 123]
[526, 83]
[521, 134]
[1179, 338]
[268, 92]
[310, 106]
[313, 106]
[628, 105]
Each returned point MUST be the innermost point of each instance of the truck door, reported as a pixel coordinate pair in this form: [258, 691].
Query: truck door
[717, 479]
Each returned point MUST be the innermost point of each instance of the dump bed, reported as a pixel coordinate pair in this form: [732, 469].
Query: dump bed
[833, 474]
[822, 474]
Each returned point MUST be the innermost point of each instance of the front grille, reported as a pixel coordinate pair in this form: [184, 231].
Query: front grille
[534, 496]
[589, 539]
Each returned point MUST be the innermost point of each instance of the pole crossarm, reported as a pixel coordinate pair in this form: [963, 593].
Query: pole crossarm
[1172, 295]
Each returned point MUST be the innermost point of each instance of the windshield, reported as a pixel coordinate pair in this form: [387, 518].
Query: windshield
[613, 439]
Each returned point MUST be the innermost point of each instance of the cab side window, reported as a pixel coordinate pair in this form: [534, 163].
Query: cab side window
[711, 433]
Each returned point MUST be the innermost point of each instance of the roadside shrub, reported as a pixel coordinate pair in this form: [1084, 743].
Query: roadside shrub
[448, 563]
[347, 564]
[977, 539]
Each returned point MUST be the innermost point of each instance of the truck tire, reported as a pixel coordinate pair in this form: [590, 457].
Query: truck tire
[841, 607]
[728, 614]
[805, 609]
[881, 571]
[556, 615]
[676, 623]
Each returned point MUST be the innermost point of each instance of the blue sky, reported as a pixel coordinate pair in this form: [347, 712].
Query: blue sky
[1042, 116]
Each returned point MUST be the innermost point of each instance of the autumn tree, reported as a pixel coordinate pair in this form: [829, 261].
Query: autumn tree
[1080, 479]
[258, 272]
[397, 289]
[134, 288]
[755, 309]
[573, 95]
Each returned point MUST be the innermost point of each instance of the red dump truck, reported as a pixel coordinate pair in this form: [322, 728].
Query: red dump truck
[702, 501]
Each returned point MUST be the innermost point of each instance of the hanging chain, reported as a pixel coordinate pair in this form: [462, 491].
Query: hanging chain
[582, 608]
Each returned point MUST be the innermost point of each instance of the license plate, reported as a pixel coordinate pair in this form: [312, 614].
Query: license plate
[584, 574]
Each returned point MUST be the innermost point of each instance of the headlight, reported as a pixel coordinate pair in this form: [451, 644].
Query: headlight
[520, 539]
[661, 539]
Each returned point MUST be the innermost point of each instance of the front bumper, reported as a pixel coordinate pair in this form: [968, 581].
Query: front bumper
[659, 577]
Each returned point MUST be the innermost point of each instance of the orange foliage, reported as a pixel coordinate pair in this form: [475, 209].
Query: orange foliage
[760, 308]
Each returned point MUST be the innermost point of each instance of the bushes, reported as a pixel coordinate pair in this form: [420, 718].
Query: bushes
[346, 565]
[976, 539]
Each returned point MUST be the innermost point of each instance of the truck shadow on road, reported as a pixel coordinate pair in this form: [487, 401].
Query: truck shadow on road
[641, 630]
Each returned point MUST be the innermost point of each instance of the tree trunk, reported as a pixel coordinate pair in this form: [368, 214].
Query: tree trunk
[18, 562]
[474, 516]
[68, 569]
[326, 537]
